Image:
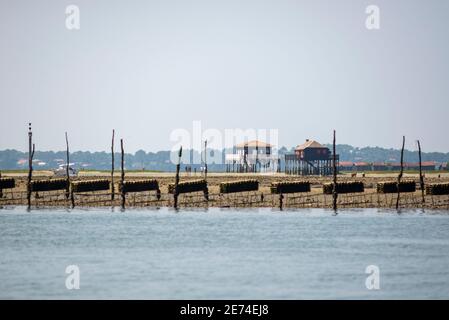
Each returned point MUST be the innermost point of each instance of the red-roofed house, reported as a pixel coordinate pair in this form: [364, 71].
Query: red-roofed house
[310, 158]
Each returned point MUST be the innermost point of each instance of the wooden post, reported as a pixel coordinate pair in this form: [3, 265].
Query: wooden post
[30, 164]
[72, 198]
[175, 191]
[281, 198]
[122, 177]
[401, 172]
[257, 157]
[421, 177]
[245, 162]
[206, 193]
[1, 191]
[112, 168]
[334, 192]
[205, 160]
[67, 190]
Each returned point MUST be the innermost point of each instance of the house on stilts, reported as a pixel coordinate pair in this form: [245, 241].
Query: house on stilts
[310, 158]
[252, 156]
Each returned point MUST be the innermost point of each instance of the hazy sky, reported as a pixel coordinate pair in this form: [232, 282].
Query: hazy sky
[146, 68]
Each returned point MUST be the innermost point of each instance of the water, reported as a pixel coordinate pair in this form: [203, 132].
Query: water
[223, 254]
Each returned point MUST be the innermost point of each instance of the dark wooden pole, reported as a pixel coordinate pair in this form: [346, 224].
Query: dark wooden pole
[257, 157]
[30, 164]
[401, 172]
[67, 190]
[205, 159]
[112, 167]
[334, 191]
[281, 201]
[421, 177]
[122, 177]
[72, 198]
[175, 191]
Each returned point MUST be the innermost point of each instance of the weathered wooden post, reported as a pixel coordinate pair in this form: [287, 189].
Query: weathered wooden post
[122, 177]
[281, 198]
[67, 189]
[112, 168]
[421, 177]
[205, 160]
[245, 162]
[175, 191]
[257, 157]
[30, 164]
[334, 191]
[401, 172]
[72, 198]
[206, 193]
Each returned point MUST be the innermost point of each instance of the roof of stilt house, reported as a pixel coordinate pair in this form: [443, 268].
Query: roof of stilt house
[309, 144]
[253, 144]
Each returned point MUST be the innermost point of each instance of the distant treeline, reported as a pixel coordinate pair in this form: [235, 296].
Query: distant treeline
[160, 161]
[377, 154]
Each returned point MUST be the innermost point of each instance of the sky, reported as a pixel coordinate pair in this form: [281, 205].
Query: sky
[149, 68]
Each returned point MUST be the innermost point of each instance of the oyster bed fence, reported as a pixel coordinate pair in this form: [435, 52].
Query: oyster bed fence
[368, 199]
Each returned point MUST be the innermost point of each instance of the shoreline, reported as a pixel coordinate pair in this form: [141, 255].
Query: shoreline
[262, 198]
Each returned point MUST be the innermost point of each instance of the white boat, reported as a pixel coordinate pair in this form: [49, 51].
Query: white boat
[62, 171]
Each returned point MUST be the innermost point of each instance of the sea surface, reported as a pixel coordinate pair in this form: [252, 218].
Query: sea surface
[223, 254]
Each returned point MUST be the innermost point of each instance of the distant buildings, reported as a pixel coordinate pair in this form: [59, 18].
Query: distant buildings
[362, 166]
[426, 165]
[386, 166]
[22, 162]
[346, 166]
[379, 166]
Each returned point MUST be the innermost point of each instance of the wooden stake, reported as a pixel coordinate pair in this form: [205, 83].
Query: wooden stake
[400, 173]
[281, 198]
[421, 177]
[257, 157]
[72, 198]
[67, 190]
[112, 168]
[30, 164]
[122, 178]
[175, 191]
[205, 160]
[334, 192]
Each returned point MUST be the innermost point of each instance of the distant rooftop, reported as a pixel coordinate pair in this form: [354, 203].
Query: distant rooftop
[309, 144]
[254, 144]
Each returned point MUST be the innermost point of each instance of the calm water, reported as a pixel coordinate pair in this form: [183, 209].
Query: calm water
[223, 254]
